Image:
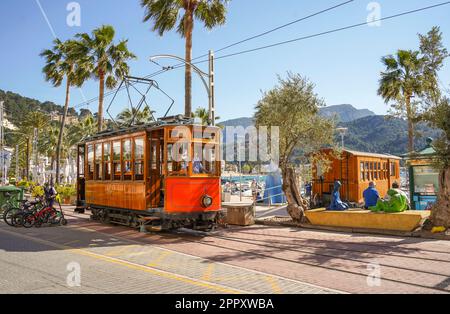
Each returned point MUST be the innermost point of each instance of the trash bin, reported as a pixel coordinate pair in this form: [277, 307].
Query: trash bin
[240, 214]
[12, 193]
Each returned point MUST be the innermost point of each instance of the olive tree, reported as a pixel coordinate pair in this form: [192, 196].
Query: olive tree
[293, 106]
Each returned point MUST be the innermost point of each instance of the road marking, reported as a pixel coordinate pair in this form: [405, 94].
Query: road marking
[208, 272]
[130, 265]
[161, 257]
[274, 285]
[72, 242]
[119, 250]
[256, 272]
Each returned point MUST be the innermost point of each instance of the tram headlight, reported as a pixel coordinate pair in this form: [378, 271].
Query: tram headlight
[207, 201]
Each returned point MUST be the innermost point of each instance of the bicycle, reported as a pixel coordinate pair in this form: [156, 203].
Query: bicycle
[13, 216]
[46, 215]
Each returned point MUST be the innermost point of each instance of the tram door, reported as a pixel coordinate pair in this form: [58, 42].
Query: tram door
[81, 181]
[155, 188]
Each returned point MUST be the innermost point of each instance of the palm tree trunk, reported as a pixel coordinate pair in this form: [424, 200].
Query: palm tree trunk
[410, 124]
[441, 212]
[189, 26]
[61, 132]
[100, 101]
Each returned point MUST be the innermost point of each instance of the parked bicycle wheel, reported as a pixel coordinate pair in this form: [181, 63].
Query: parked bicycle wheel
[29, 220]
[9, 214]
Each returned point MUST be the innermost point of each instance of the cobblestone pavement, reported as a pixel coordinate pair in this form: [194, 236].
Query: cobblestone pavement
[345, 262]
[41, 261]
[258, 259]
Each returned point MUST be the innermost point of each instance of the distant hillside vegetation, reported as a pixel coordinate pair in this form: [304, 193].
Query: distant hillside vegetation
[345, 113]
[376, 134]
[379, 134]
[17, 106]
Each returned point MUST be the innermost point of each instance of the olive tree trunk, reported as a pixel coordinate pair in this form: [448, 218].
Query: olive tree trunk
[440, 215]
[297, 205]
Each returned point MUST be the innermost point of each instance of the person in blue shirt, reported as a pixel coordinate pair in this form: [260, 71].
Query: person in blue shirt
[336, 203]
[371, 196]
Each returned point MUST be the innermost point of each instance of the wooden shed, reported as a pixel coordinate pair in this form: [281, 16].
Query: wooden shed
[355, 170]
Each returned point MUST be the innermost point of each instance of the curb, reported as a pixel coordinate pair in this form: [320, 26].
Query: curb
[415, 234]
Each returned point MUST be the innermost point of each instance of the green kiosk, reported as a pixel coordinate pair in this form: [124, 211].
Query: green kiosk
[423, 177]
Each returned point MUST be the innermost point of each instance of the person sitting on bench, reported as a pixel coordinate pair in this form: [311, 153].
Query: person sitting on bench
[336, 203]
[395, 202]
[371, 196]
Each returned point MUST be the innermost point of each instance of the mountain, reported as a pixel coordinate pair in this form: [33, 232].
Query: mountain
[17, 107]
[376, 134]
[345, 113]
[244, 122]
[380, 134]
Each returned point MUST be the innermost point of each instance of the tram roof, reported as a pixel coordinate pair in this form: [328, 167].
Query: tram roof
[169, 121]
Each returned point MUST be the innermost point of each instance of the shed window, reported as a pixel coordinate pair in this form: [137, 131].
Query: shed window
[363, 177]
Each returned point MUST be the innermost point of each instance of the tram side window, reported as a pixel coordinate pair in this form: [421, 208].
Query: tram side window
[81, 158]
[90, 160]
[127, 160]
[117, 167]
[98, 162]
[107, 160]
[138, 159]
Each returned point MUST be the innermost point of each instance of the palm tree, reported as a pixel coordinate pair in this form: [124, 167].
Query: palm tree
[62, 62]
[203, 114]
[135, 116]
[106, 61]
[400, 82]
[168, 14]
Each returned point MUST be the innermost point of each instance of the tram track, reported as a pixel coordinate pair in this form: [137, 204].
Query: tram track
[261, 249]
[443, 277]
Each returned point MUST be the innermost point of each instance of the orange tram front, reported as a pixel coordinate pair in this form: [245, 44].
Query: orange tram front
[161, 176]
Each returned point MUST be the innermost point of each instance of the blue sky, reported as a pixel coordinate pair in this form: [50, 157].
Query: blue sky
[344, 66]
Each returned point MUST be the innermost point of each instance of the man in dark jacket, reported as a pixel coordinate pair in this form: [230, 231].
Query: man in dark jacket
[371, 196]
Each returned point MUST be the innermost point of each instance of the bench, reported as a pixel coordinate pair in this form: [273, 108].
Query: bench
[364, 219]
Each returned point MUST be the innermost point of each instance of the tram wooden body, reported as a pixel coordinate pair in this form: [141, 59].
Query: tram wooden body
[137, 176]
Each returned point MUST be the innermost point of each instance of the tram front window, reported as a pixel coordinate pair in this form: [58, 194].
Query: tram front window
[204, 161]
[178, 159]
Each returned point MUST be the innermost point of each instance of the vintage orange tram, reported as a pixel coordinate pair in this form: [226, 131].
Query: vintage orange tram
[162, 175]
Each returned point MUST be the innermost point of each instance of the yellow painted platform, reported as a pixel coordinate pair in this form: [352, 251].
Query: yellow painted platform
[363, 219]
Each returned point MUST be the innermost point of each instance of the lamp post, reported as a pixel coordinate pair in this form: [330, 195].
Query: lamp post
[342, 132]
[209, 86]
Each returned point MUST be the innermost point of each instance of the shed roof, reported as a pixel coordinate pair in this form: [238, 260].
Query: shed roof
[372, 155]
[375, 155]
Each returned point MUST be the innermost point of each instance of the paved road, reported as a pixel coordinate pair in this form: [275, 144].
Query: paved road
[257, 259]
[47, 260]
